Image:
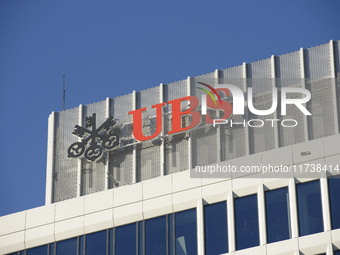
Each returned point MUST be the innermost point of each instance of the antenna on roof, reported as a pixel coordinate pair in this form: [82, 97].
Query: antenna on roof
[64, 90]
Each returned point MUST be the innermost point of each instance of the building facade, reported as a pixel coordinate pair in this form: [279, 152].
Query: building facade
[123, 196]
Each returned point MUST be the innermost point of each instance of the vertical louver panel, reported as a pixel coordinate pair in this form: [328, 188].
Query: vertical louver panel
[259, 74]
[120, 167]
[65, 169]
[121, 160]
[318, 68]
[232, 75]
[148, 154]
[233, 142]
[288, 73]
[208, 78]
[321, 123]
[148, 160]
[204, 147]
[93, 174]
[317, 61]
[176, 150]
[337, 75]
[120, 107]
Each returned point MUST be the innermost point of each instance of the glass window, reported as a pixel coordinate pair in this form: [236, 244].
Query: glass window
[51, 249]
[185, 232]
[41, 250]
[81, 245]
[309, 208]
[155, 236]
[22, 253]
[334, 200]
[141, 238]
[125, 240]
[96, 243]
[336, 252]
[277, 215]
[216, 228]
[67, 247]
[14, 253]
[171, 234]
[111, 238]
[246, 221]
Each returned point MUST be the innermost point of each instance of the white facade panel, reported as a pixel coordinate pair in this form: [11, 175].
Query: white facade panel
[12, 223]
[128, 213]
[157, 187]
[40, 216]
[98, 201]
[39, 235]
[69, 228]
[69, 209]
[128, 194]
[98, 221]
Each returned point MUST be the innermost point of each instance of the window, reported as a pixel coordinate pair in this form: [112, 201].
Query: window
[41, 250]
[309, 208]
[334, 200]
[155, 236]
[67, 247]
[81, 245]
[51, 250]
[96, 243]
[185, 232]
[141, 237]
[216, 228]
[277, 215]
[171, 234]
[125, 243]
[110, 240]
[168, 234]
[246, 221]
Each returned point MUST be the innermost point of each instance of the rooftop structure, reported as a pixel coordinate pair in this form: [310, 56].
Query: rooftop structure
[108, 193]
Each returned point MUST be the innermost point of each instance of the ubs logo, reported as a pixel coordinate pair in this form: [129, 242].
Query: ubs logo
[93, 141]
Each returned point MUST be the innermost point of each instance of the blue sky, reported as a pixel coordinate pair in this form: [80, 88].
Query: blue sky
[110, 48]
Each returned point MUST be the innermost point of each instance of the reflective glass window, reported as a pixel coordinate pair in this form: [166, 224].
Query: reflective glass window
[141, 238]
[14, 253]
[125, 240]
[309, 208]
[246, 222]
[216, 228]
[155, 236]
[96, 243]
[171, 234]
[81, 245]
[185, 232]
[41, 250]
[336, 252]
[334, 200]
[51, 249]
[277, 215]
[111, 241]
[22, 253]
[67, 247]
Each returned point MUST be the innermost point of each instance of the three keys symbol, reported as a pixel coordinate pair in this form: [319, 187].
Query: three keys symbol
[99, 138]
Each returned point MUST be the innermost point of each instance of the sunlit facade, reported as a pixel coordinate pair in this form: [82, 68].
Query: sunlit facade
[140, 197]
